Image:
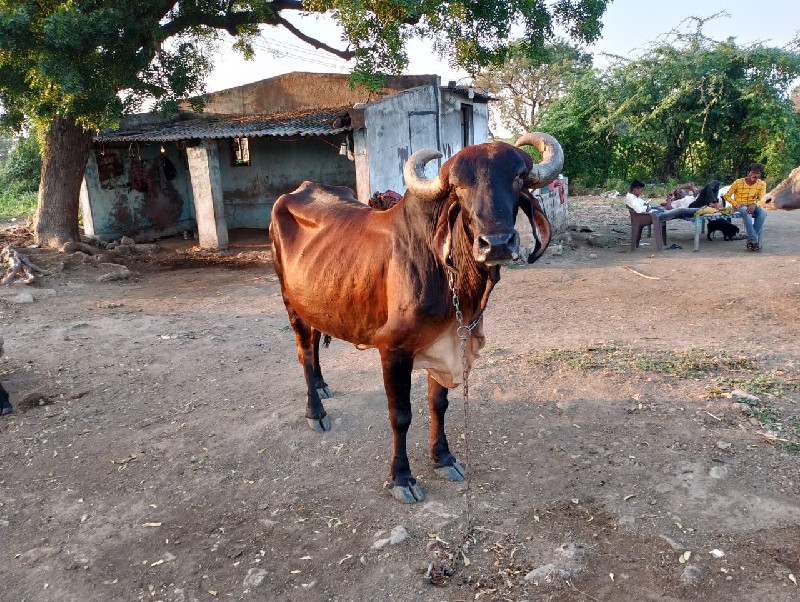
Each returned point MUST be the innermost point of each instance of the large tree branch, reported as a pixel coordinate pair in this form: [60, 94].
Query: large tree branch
[231, 21]
[345, 54]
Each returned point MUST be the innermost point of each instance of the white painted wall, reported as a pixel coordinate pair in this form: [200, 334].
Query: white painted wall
[452, 137]
[396, 127]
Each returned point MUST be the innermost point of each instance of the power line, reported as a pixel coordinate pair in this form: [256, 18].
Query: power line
[319, 59]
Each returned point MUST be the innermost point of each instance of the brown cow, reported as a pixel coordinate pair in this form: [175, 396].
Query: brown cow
[398, 279]
[785, 195]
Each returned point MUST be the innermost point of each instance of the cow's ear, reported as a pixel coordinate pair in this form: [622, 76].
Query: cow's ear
[540, 225]
[443, 237]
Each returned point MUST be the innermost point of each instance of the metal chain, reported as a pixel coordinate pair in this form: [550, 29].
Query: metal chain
[463, 332]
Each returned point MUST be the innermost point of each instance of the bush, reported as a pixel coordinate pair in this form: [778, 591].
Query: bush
[19, 179]
[23, 165]
[17, 204]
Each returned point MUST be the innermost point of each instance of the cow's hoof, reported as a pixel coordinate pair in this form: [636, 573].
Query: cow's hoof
[320, 425]
[6, 409]
[456, 472]
[410, 494]
[324, 392]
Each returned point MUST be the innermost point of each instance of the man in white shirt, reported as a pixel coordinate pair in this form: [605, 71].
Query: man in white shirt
[636, 203]
[694, 199]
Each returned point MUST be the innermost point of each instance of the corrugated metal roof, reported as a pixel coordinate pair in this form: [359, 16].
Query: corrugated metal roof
[475, 94]
[314, 122]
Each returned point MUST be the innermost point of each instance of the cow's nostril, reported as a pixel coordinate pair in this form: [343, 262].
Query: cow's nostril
[484, 243]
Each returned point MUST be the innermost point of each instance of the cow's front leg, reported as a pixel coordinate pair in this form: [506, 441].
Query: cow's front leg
[397, 382]
[445, 464]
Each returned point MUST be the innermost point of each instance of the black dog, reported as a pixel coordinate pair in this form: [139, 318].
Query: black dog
[728, 229]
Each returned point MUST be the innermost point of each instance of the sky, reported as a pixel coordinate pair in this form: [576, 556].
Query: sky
[629, 26]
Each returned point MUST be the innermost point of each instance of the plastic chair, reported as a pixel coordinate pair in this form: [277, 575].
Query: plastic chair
[639, 221]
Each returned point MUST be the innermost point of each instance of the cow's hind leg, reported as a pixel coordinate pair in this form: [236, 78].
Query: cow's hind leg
[319, 382]
[397, 382]
[307, 344]
[445, 464]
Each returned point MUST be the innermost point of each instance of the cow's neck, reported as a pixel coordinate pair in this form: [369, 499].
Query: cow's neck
[473, 282]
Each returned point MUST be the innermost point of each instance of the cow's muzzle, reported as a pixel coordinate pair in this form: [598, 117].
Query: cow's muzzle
[497, 249]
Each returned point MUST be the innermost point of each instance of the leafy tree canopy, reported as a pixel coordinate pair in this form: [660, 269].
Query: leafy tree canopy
[95, 61]
[689, 108]
[524, 85]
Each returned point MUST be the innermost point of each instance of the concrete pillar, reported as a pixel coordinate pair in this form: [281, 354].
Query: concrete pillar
[89, 186]
[212, 228]
[361, 159]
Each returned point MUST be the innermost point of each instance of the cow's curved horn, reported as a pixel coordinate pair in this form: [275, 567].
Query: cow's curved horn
[420, 186]
[552, 161]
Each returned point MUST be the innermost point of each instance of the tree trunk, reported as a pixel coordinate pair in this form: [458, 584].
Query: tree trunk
[63, 161]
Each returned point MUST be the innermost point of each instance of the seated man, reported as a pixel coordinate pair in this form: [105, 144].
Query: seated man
[634, 201]
[744, 194]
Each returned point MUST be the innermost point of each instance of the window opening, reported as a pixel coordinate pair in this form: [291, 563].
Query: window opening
[240, 152]
[467, 135]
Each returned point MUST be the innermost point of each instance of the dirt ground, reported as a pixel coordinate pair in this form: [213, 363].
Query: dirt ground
[159, 450]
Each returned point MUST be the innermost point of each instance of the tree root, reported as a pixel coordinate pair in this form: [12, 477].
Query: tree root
[72, 246]
[17, 265]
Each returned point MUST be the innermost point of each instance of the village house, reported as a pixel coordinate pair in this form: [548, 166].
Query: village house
[223, 168]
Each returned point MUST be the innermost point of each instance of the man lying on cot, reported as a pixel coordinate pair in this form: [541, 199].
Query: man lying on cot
[694, 199]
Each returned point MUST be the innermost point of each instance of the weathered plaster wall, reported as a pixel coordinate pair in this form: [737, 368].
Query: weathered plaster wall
[113, 209]
[452, 137]
[396, 127]
[277, 166]
[295, 91]
[555, 206]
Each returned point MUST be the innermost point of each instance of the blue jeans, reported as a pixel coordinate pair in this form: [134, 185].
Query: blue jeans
[753, 223]
[665, 215]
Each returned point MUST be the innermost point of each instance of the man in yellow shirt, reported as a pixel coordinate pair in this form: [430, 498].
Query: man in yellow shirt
[744, 194]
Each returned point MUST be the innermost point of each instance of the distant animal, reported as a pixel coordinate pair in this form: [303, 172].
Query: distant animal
[412, 281]
[5, 405]
[728, 229]
[785, 195]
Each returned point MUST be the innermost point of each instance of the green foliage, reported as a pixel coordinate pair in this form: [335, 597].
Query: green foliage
[23, 165]
[688, 109]
[470, 33]
[19, 179]
[96, 61]
[523, 86]
[16, 203]
[85, 64]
